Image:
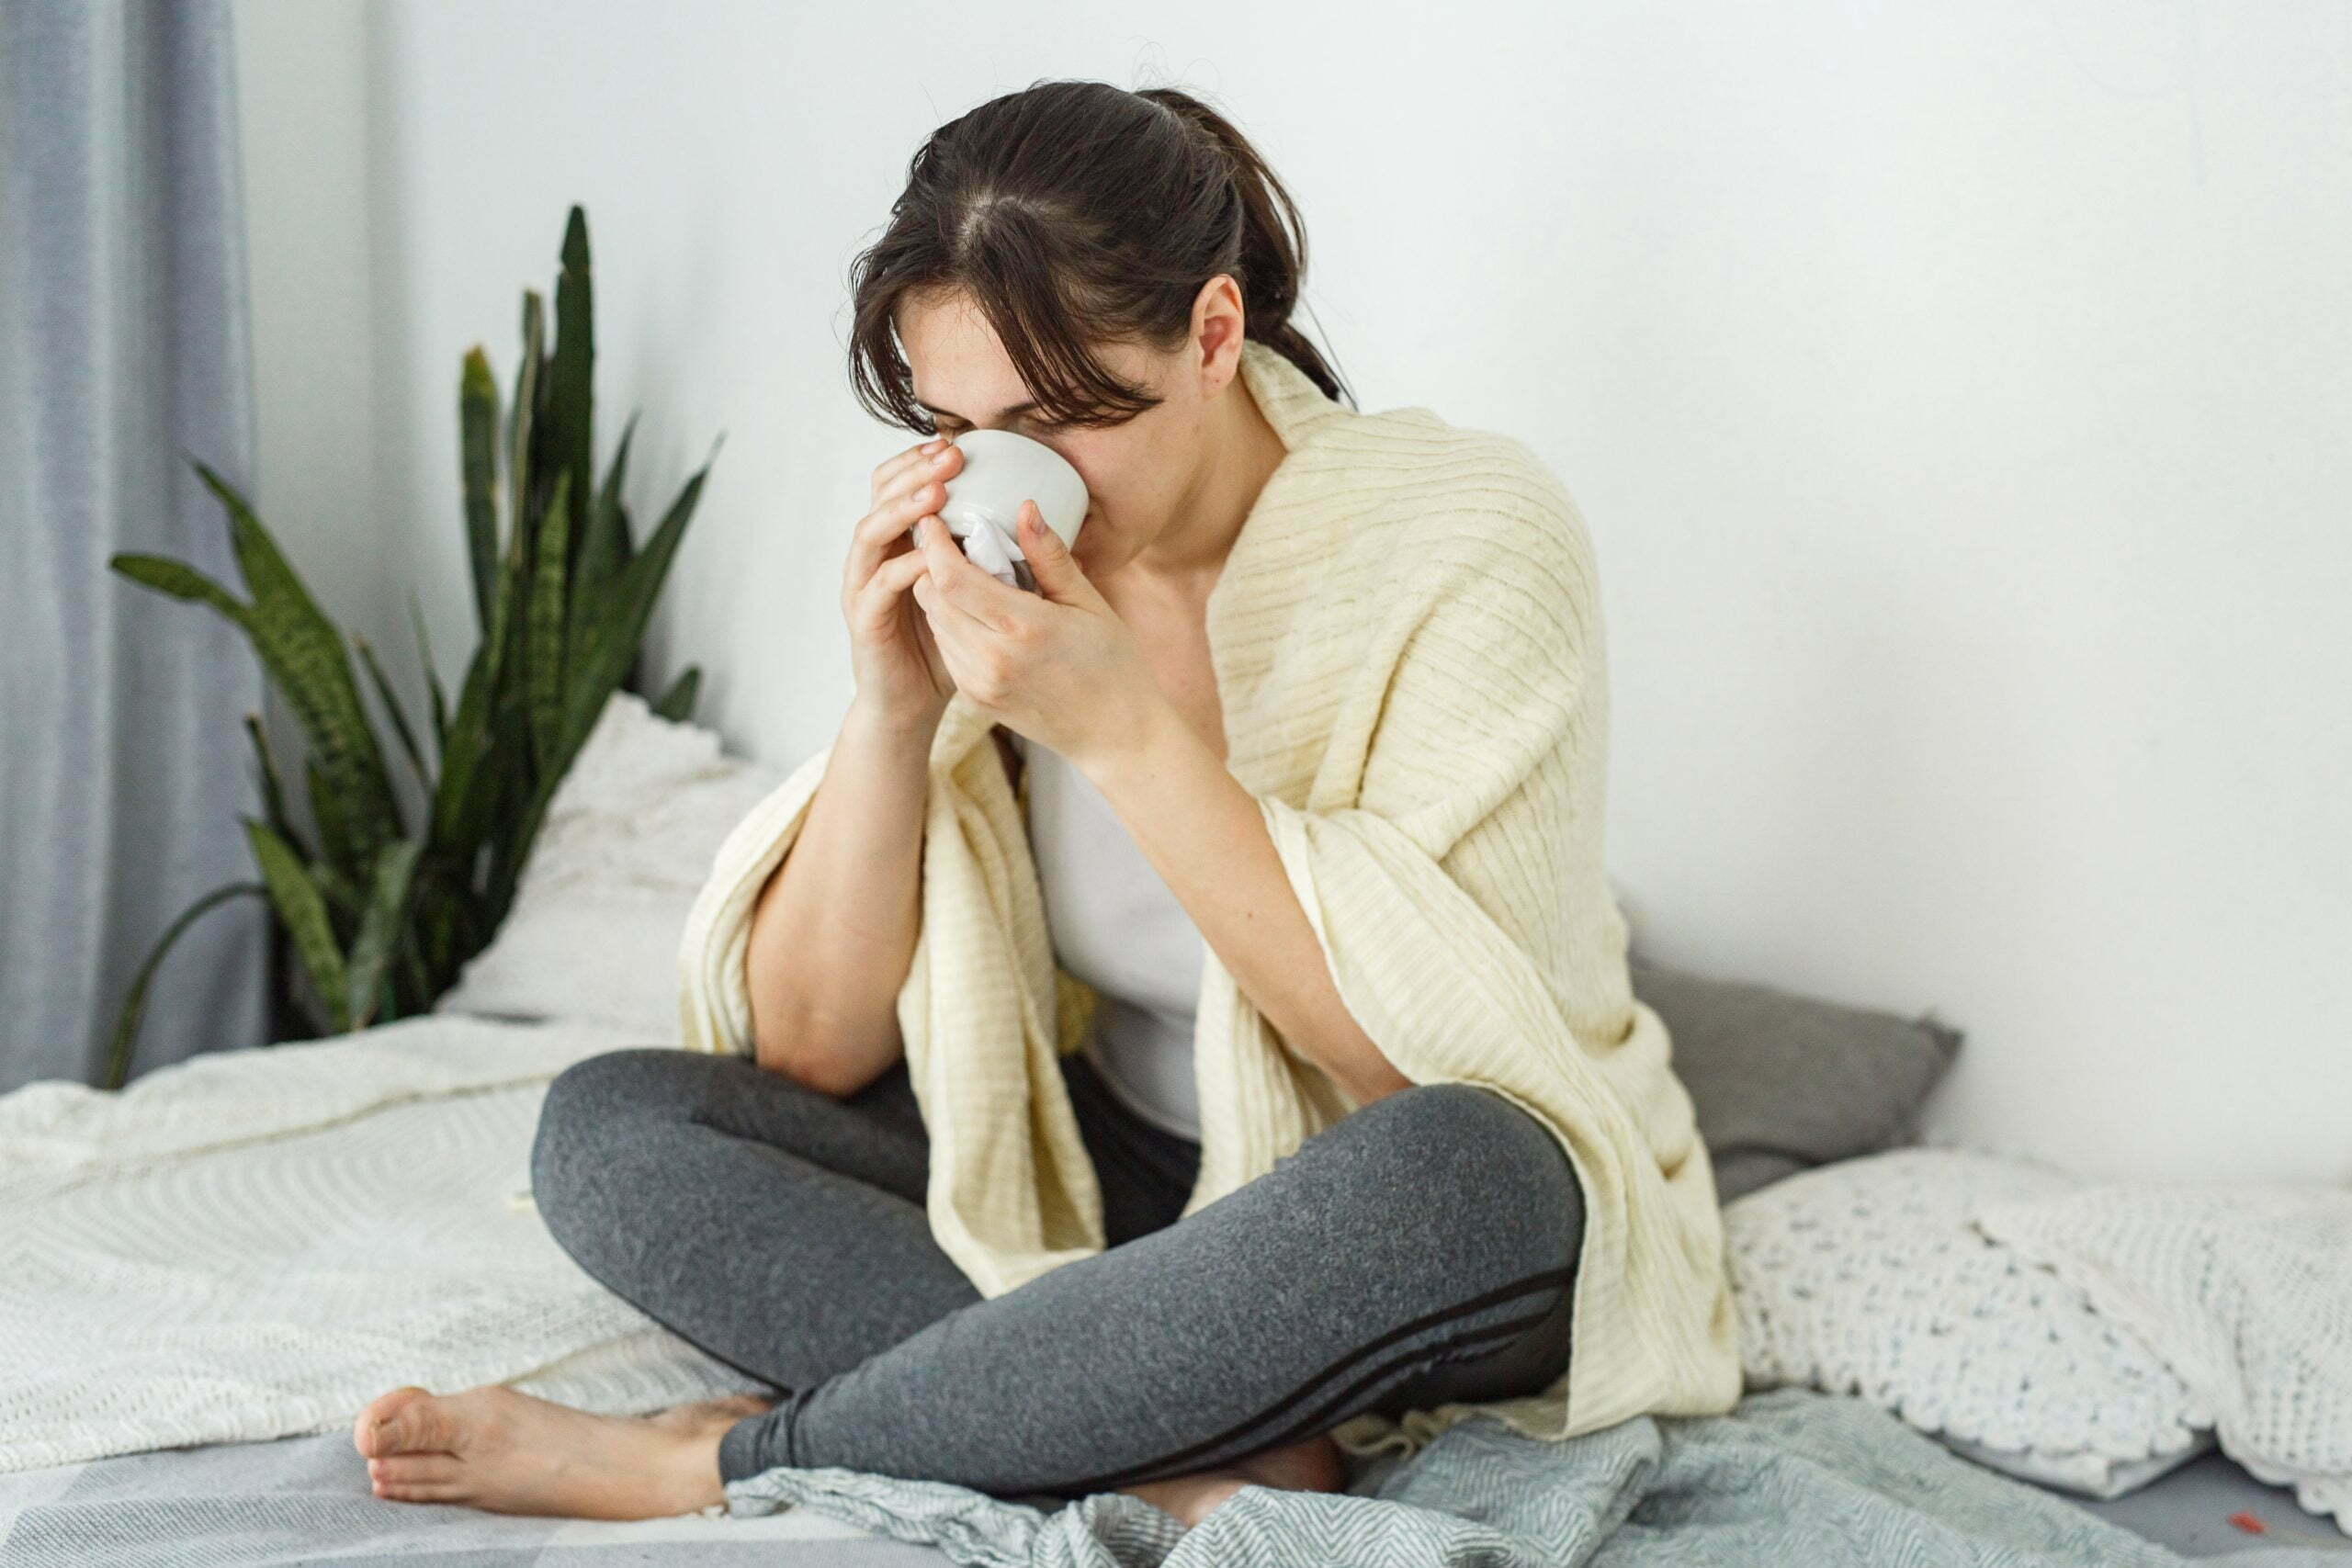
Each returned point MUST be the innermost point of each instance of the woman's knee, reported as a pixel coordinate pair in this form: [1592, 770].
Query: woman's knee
[592, 1106]
[638, 1079]
[1465, 1154]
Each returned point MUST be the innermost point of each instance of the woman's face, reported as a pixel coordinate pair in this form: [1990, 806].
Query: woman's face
[1139, 474]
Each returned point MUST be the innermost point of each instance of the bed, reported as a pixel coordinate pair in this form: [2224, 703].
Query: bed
[306, 1499]
[277, 1148]
[209, 1272]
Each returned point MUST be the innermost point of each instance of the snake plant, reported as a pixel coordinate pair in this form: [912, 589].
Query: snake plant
[381, 912]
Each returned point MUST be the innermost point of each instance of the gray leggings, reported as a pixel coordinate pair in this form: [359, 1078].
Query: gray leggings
[1420, 1249]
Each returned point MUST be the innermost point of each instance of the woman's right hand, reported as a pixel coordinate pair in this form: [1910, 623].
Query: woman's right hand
[900, 673]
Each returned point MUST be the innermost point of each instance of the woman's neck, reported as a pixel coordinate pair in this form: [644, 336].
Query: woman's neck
[1242, 451]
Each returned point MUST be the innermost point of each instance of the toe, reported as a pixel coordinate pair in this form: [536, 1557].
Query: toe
[707, 1412]
[415, 1469]
[409, 1419]
[1324, 1467]
[366, 1427]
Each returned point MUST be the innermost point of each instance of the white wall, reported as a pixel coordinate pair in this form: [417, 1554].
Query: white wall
[1960, 398]
[302, 90]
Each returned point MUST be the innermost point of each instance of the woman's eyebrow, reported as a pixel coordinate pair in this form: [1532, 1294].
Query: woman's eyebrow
[1002, 414]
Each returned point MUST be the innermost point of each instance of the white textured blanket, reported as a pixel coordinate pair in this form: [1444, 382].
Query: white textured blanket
[2244, 1289]
[254, 1244]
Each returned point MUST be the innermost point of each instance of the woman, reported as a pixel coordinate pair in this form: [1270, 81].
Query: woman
[1233, 1065]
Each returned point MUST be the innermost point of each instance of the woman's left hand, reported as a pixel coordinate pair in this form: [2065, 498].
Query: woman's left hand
[1058, 665]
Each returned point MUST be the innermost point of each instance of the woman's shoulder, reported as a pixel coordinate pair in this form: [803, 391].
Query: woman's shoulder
[1412, 485]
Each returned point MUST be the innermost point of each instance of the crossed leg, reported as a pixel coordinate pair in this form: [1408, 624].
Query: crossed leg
[1419, 1250]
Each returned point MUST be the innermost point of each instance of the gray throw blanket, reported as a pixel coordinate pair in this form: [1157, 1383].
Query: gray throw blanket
[1790, 1476]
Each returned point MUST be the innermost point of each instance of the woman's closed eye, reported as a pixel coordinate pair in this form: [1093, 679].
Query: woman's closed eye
[1041, 426]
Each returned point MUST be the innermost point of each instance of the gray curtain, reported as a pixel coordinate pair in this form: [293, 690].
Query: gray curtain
[123, 340]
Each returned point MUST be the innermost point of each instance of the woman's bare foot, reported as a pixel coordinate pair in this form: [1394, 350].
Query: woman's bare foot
[691, 1418]
[509, 1452]
[1315, 1465]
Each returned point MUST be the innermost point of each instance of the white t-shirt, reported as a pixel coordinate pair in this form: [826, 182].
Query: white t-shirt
[1115, 926]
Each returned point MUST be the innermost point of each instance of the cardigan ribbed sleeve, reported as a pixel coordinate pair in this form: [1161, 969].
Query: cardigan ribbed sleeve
[714, 991]
[1435, 890]
[1437, 897]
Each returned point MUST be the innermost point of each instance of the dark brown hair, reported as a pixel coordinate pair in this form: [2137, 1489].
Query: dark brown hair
[1075, 213]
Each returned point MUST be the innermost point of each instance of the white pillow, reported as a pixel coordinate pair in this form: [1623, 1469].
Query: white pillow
[2244, 1288]
[629, 837]
[1866, 1276]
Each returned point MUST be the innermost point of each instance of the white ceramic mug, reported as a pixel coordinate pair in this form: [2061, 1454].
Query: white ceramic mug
[1001, 470]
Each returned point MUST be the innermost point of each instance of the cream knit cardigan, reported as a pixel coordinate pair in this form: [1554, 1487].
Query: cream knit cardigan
[1407, 643]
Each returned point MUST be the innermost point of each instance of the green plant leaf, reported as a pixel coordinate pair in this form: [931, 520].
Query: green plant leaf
[441, 927]
[381, 927]
[134, 1003]
[345, 903]
[506, 870]
[415, 991]
[464, 744]
[478, 474]
[520, 513]
[568, 431]
[604, 550]
[543, 655]
[273, 787]
[508, 635]
[432, 676]
[299, 904]
[338, 848]
[613, 644]
[459, 812]
[392, 706]
[306, 995]
[677, 704]
[486, 811]
[305, 655]
[181, 582]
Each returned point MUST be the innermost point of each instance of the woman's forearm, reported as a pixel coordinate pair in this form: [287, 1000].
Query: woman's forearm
[834, 930]
[1204, 835]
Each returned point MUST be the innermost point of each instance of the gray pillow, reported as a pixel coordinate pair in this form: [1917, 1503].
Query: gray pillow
[1784, 1082]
